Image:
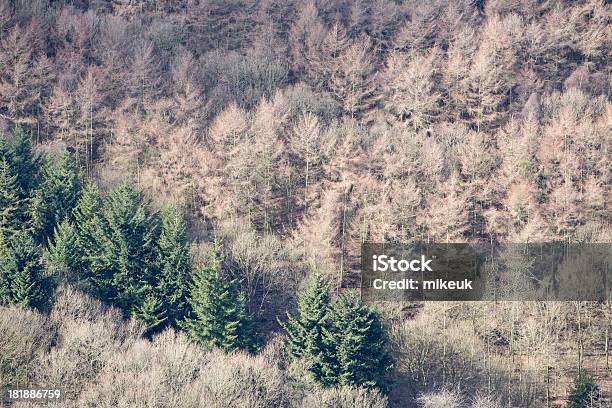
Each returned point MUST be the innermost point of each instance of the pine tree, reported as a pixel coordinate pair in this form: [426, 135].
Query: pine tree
[10, 203]
[23, 283]
[58, 194]
[63, 256]
[306, 331]
[355, 344]
[152, 312]
[125, 261]
[218, 312]
[173, 265]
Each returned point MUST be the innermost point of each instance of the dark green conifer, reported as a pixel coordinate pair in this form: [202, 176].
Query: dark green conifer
[585, 393]
[22, 273]
[218, 311]
[355, 343]
[173, 265]
[306, 330]
[126, 247]
[89, 226]
[59, 192]
[10, 203]
[26, 164]
[5, 285]
[152, 312]
[63, 256]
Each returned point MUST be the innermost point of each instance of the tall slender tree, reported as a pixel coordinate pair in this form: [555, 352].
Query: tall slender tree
[58, 194]
[63, 255]
[173, 265]
[126, 247]
[21, 281]
[10, 203]
[89, 226]
[26, 164]
[218, 311]
[306, 330]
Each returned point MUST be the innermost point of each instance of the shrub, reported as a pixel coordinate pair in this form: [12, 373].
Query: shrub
[345, 397]
[24, 336]
[584, 394]
[239, 380]
[441, 399]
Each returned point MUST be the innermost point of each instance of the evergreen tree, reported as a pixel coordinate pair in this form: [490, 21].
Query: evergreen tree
[5, 153]
[173, 264]
[5, 285]
[10, 203]
[88, 225]
[355, 344]
[21, 274]
[58, 194]
[585, 393]
[124, 262]
[63, 256]
[306, 331]
[218, 312]
[152, 312]
[25, 162]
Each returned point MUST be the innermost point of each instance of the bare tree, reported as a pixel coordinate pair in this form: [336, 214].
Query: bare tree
[306, 144]
[410, 90]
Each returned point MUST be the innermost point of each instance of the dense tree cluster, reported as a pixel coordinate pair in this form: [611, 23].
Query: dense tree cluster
[343, 343]
[116, 246]
[137, 259]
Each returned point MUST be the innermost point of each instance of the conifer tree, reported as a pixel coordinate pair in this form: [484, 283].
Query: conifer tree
[218, 311]
[126, 243]
[306, 331]
[10, 203]
[4, 148]
[21, 279]
[5, 288]
[152, 312]
[88, 225]
[173, 265]
[585, 393]
[26, 164]
[63, 256]
[58, 194]
[355, 344]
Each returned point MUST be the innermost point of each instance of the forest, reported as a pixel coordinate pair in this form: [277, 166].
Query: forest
[185, 187]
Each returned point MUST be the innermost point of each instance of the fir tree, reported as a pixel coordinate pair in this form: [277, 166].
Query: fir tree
[218, 312]
[63, 255]
[305, 331]
[89, 226]
[152, 312]
[10, 203]
[5, 261]
[173, 264]
[58, 194]
[5, 153]
[126, 243]
[25, 162]
[22, 282]
[355, 344]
